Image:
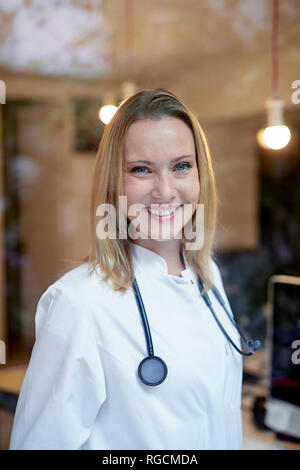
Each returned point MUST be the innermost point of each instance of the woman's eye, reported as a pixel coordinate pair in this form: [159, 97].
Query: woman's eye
[182, 164]
[138, 168]
[135, 169]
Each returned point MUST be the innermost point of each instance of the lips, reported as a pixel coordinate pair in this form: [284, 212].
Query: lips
[163, 208]
[163, 214]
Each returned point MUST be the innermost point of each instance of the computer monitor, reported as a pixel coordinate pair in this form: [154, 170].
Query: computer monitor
[283, 331]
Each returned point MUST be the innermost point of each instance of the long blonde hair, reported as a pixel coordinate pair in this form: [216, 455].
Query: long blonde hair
[113, 256]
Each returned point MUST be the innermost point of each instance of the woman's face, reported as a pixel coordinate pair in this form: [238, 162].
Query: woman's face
[160, 172]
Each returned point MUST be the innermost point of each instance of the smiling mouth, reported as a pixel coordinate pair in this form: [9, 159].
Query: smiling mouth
[164, 213]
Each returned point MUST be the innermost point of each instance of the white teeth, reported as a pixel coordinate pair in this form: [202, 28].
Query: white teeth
[162, 213]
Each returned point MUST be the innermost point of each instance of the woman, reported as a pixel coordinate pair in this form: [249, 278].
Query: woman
[82, 388]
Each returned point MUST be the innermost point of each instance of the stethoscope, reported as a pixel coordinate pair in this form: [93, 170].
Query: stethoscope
[152, 369]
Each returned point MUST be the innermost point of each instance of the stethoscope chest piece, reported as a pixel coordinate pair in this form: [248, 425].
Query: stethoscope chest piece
[152, 370]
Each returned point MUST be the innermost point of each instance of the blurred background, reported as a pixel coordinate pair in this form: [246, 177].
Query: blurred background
[235, 63]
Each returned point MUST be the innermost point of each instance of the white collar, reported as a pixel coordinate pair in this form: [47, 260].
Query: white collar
[149, 260]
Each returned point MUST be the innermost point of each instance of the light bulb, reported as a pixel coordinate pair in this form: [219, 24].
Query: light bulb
[277, 137]
[107, 112]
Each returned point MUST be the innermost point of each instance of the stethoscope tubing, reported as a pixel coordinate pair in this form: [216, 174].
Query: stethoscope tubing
[144, 318]
[252, 346]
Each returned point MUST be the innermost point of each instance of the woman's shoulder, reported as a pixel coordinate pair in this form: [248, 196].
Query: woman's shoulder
[214, 266]
[74, 276]
[218, 281]
[216, 273]
[79, 280]
[67, 300]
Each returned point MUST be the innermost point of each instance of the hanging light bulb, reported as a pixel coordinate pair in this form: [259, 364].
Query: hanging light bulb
[128, 87]
[107, 112]
[108, 109]
[277, 135]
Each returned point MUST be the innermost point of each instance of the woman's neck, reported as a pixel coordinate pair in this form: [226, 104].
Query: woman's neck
[170, 251]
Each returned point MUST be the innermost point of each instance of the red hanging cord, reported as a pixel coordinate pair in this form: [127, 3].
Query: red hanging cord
[275, 22]
[129, 39]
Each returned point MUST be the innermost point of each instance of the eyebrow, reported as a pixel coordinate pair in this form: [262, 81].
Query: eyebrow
[174, 160]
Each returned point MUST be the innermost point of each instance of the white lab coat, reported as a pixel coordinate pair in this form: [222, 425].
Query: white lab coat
[82, 391]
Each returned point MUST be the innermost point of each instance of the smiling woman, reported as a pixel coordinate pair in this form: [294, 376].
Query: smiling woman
[154, 151]
[166, 187]
[89, 384]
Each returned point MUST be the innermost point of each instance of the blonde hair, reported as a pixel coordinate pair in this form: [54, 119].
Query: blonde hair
[113, 256]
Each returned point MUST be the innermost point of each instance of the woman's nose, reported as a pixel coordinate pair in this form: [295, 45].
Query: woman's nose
[164, 187]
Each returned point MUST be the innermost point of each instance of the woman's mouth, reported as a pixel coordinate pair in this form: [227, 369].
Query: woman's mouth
[163, 215]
